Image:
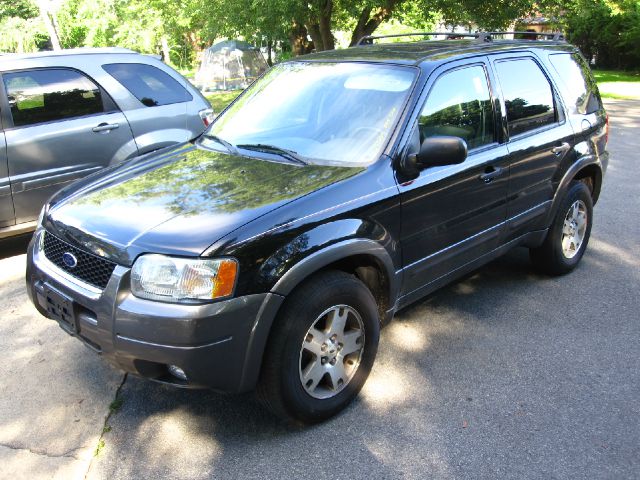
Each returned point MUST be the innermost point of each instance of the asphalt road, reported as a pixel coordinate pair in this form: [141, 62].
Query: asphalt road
[504, 374]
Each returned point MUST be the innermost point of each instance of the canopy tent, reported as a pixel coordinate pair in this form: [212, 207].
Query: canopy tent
[230, 65]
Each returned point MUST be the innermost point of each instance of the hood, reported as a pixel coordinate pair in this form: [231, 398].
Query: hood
[179, 203]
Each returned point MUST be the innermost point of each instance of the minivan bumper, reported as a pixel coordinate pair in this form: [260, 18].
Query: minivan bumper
[217, 345]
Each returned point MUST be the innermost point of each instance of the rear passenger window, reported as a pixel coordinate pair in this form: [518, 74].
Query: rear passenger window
[149, 84]
[527, 95]
[580, 84]
[46, 95]
[459, 105]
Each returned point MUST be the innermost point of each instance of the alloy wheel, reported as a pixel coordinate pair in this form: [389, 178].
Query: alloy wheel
[574, 229]
[331, 351]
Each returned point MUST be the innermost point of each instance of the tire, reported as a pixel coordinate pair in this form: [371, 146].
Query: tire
[561, 251]
[307, 345]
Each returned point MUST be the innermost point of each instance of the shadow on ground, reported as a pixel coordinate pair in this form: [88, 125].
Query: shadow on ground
[489, 376]
[55, 392]
[10, 247]
[505, 373]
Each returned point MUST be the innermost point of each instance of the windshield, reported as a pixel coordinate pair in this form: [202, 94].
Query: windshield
[331, 113]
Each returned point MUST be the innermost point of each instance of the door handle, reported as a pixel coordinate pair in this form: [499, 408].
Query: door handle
[490, 173]
[105, 127]
[561, 149]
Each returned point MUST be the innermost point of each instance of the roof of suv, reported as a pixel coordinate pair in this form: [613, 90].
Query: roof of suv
[62, 53]
[413, 53]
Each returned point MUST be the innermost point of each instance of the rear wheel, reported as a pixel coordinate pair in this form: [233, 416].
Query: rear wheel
[321, 349]
[569, 233]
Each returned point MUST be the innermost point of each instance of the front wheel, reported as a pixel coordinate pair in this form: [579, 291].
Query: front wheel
[569, 233]
[321, 349]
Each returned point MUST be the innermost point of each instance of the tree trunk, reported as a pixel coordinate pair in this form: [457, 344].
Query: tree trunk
[298, 39]
[44, 14]
[370, 19]
[324, 24]
[269, 50]
[164, 44]
[196, 46]
[316, 36]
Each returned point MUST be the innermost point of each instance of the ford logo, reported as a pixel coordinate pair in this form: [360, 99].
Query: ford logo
[69, 259]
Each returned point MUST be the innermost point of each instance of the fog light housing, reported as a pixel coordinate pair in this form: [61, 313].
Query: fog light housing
[177, 372]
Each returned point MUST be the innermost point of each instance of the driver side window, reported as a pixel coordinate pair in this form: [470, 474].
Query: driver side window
[459, 105]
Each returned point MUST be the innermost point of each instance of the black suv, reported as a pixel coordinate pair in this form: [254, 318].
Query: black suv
[337, 189]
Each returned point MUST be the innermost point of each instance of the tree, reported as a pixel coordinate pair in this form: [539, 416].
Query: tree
[320, 19]
[48, 19]
[18, 8]
[87, 24]
[370, 15]
[21, 29]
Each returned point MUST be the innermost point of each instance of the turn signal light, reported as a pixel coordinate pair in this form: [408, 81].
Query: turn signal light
[225, 279]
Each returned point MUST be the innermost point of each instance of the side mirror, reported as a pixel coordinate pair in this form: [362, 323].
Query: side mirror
[436, 151]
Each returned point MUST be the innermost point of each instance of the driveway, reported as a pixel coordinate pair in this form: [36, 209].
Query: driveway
[505, 373]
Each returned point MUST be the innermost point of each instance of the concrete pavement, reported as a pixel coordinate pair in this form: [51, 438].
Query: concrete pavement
[55, 394]
[506, 373]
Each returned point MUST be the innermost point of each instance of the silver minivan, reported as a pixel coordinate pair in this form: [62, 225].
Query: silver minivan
[66, 114]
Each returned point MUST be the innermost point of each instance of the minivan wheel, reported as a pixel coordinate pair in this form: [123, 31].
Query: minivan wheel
[569, 233]
[321, 349]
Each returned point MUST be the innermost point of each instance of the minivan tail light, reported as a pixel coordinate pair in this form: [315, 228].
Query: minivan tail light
[207, 115]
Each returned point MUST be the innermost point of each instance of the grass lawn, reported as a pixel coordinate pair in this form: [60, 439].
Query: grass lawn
[617, 84]
[219, 100]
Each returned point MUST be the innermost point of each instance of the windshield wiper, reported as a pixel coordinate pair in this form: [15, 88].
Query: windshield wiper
[223, 142]
[283, 152]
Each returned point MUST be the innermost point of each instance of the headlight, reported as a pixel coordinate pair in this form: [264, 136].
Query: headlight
[158, 277]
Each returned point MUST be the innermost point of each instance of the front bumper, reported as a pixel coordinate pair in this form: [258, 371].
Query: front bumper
[218, 345]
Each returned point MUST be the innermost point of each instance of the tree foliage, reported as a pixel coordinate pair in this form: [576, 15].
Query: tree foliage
[606, 31]
[179, 29]
[21, 30]
[18, 8]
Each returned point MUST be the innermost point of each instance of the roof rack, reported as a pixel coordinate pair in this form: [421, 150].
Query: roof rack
[555, 36]
[480, 37]
[369, 39]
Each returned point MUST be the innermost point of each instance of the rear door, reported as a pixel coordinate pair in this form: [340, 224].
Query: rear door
[161, 117]
[62, 126]
[540, 138]
[7, 217]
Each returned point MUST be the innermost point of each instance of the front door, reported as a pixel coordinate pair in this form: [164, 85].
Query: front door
[62, 127]
[454, 214]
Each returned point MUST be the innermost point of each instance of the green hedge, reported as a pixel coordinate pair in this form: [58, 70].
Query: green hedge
[607, 32]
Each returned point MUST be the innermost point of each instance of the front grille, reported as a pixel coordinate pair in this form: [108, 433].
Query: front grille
[90, 268]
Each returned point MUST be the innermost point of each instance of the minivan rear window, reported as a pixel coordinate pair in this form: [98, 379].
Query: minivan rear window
[150, 85]
[580, 85]
[527, 95]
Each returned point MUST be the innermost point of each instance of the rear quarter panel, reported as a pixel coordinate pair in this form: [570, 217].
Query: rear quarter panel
[590, 130]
